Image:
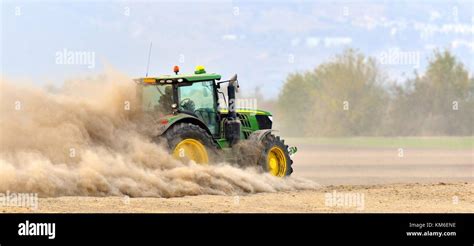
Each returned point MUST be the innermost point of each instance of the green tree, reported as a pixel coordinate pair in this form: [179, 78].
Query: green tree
[295, 102]
[438, 102]
[343, 97]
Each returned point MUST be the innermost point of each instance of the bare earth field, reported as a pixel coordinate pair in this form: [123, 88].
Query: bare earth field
[378, 198]
[365, 166]
[421, 180]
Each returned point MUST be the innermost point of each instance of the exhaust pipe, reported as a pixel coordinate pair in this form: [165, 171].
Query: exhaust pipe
[232, 125]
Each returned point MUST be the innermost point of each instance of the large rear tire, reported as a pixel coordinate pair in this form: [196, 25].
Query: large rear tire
[275, 157]
[188, 141]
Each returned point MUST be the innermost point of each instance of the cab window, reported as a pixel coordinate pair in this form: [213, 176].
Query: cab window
[198, 98]
[158, 98]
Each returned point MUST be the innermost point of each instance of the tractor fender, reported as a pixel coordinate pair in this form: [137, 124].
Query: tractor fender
[260, 134]
[180, 118]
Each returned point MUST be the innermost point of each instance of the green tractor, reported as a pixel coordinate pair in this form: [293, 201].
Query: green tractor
[196, 127]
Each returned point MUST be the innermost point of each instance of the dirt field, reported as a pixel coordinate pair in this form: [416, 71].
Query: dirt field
[366, 166]
[382, 180]
[377, 198]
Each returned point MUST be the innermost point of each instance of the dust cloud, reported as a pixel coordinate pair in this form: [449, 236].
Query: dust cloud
[81, 139]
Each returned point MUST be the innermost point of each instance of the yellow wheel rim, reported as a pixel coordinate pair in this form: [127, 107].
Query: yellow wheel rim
[276, 160]
[191, 149]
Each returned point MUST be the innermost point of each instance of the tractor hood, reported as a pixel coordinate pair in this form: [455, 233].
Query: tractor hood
[248, 111]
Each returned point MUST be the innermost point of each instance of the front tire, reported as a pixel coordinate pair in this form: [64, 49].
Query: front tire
[275, 157]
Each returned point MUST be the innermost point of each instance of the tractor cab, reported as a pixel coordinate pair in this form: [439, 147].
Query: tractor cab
[191, 94]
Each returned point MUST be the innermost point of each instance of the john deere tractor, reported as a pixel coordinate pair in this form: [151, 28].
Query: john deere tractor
[196, 127]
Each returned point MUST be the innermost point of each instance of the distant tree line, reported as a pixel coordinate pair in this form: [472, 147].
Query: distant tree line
[351, 96]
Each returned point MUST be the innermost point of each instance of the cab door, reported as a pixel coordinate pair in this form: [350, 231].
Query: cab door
[198, 98]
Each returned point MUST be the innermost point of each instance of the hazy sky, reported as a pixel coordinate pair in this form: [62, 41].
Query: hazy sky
[262, 41]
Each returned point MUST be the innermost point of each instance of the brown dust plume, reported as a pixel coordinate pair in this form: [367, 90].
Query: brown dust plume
[81, 140]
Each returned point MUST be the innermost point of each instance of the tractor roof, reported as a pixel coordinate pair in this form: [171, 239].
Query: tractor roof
[162, 79]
